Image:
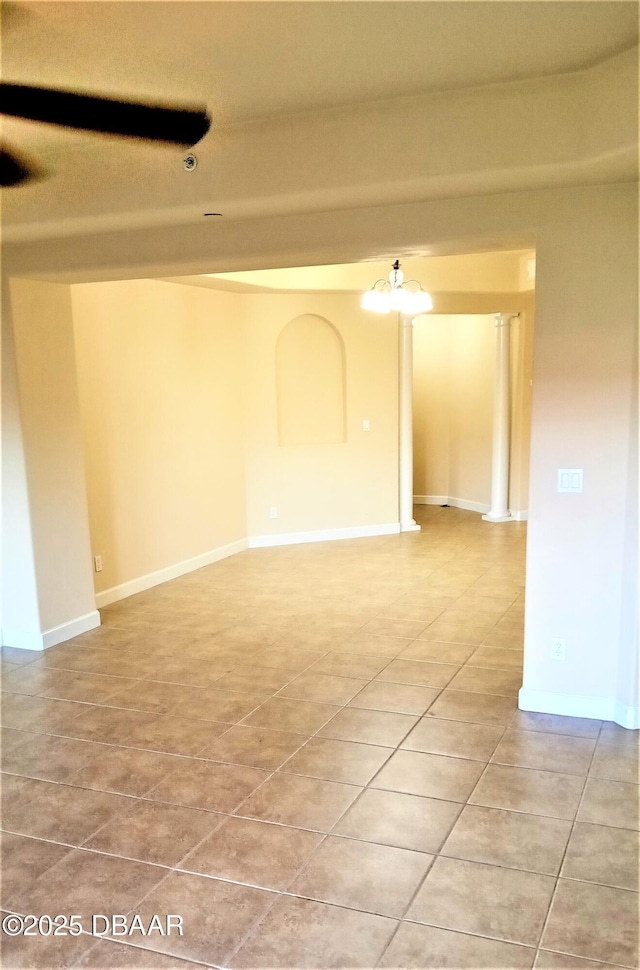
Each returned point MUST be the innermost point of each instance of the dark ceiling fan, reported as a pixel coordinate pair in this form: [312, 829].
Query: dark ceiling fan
[154, 122]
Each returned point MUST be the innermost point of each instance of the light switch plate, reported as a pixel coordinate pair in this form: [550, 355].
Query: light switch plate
[570, 480]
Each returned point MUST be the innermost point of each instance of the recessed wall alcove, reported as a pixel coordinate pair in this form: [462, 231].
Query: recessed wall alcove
[310, 382]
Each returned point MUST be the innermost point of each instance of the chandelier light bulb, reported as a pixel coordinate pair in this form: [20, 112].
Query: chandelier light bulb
[394, 294]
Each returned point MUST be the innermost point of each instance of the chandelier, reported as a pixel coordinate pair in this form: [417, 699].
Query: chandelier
[393, 294]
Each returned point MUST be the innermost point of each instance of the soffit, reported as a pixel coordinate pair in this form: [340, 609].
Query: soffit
[489, 272]
[353, 104]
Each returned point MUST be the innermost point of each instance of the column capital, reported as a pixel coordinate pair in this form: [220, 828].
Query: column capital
[504, 319]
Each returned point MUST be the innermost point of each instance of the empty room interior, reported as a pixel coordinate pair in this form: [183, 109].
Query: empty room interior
[320, 485]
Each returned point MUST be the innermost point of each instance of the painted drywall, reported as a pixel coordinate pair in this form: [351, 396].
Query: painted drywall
[322, 486]
[160, 382]
[522, 343]
[179, 397]
[431, 403]
[310, 382]
[19, 600]
[454, 366]
[471, 408]
[452, 414]
[179, 386]
[581, 573]
[571, 129]
[47, 578]
[468, 272]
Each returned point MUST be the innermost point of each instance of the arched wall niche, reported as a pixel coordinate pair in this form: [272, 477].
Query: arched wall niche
[310, 382]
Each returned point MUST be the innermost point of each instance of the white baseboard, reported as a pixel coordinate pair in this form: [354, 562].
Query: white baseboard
[142, 583]
[82, 624]
[574, 705]
[49, 638]
[462, 503]
[138, 585]
[627, 715]
[22, 640]
[324, 535]
[456, 503]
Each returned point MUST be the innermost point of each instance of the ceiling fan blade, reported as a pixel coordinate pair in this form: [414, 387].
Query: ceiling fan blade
[183, 126]
[14, 170]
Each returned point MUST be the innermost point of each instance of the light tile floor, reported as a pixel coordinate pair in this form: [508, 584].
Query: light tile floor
[313, 754]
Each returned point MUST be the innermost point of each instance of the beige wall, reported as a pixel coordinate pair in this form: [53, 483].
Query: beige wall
[454, 365]
[179, 395]
[522, 343]
[333, 485]
[310, 382]
[160, 381]
[453, 384]
[19, 600]
[582, 549]
[499, 272]
[471, 408]
[431, 403]
[46, 572]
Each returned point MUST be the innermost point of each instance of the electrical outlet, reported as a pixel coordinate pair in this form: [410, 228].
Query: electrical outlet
[558, 649]
[366, 426]
[97, 563]
[273, 512]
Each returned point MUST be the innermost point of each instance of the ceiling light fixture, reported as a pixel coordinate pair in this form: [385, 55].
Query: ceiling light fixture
[393, 294]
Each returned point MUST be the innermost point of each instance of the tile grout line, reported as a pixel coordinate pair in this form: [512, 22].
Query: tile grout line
[499, 557]
[436, 856]
[134, 946]
[547, 918]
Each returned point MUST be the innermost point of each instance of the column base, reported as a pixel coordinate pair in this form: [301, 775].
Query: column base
[507, 517]
[410, 527]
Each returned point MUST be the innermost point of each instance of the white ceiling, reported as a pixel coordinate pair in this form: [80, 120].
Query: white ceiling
[316, 107]
[247, 60]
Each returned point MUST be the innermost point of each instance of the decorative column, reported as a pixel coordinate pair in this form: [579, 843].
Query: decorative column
[499, 511]
[405, 356]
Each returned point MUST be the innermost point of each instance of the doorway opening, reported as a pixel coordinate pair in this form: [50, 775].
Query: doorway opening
[472, 412]
[230, 349]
